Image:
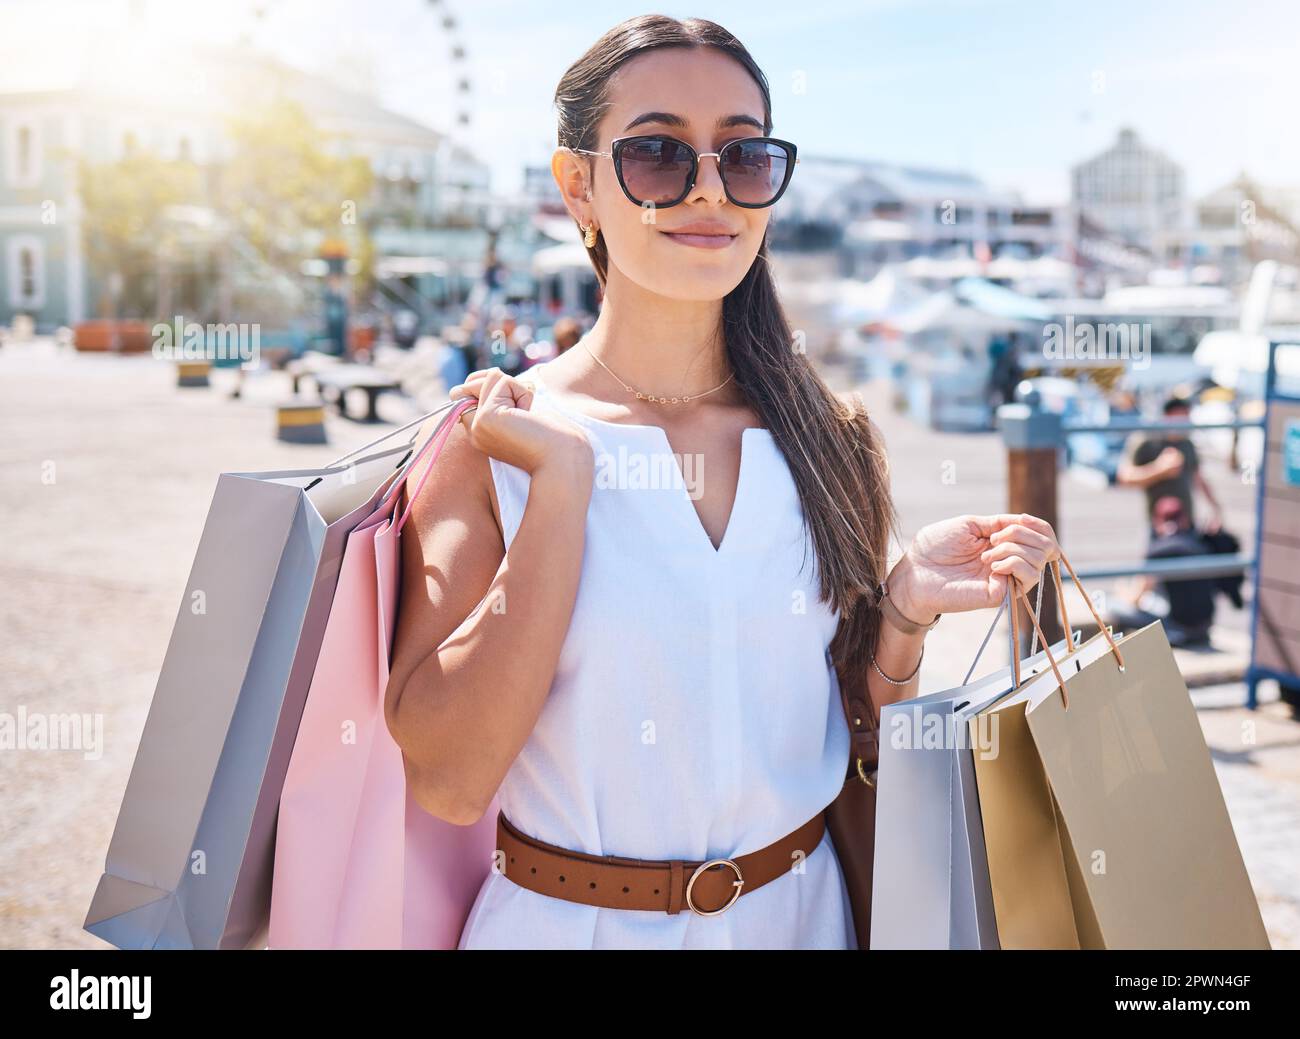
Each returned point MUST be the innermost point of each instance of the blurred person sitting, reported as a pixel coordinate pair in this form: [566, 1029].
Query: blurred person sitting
[1165, 464]
[1190, 611]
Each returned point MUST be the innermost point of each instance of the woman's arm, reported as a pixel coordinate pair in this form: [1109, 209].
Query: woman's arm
[897, 653]
[479, 629]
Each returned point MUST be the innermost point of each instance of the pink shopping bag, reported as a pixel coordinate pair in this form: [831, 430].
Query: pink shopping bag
[358, 864]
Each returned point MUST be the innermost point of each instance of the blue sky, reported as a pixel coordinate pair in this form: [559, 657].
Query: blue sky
[1012, 91]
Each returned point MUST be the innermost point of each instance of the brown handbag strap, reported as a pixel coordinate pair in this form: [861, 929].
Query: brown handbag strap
[864, 733]
[664, 885]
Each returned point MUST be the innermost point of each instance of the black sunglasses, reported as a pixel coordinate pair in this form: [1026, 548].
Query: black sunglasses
[660, 171]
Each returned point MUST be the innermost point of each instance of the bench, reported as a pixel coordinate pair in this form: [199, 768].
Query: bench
[335, 382]
[309, 365]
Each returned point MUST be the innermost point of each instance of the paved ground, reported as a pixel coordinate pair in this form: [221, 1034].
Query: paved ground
[106, 472]
[94, 566]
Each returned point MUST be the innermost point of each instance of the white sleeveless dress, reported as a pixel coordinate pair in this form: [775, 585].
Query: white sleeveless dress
[695, 712]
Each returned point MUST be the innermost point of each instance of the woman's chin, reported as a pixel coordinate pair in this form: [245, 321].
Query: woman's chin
[686, 286]
[697, 273]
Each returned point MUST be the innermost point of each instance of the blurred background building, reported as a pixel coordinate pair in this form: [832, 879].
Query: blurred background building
[425, 209]
[1135, 193]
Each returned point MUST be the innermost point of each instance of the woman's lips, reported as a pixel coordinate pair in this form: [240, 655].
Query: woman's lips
[702, 241]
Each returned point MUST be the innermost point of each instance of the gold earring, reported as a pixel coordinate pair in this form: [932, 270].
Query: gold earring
[589, 236]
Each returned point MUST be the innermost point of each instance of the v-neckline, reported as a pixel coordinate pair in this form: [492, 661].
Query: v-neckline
[683, 496]
[737, 499]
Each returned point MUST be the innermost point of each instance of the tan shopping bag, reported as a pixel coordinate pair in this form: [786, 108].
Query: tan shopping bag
[1103, 817]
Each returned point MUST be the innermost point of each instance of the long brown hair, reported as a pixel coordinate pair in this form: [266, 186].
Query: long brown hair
[833, 451]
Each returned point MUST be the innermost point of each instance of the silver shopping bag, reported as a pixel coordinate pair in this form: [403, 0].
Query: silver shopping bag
[190, 862]
[931, 881]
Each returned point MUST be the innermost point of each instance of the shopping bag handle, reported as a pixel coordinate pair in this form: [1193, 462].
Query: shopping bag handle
[391, 433]
[433, 447]
[1055, 568]
[1008, 601]
[412, 460]
[1015, 584]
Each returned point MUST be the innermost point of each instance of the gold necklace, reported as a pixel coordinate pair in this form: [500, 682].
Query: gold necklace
[650, 396]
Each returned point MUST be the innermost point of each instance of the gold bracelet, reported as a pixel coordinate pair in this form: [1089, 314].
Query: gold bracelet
[896, 681]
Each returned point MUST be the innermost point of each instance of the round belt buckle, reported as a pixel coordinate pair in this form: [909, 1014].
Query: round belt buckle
[737, 884]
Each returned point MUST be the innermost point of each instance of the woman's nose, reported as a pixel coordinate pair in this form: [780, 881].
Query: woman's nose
[708, 178]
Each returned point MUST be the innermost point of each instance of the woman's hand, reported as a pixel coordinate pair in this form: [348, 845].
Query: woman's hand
[964, 563]
[504, 426]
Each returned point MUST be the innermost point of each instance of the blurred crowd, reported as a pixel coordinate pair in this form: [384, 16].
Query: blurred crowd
[506, 338]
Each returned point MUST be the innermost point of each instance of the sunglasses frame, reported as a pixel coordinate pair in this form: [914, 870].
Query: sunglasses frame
[617, 145]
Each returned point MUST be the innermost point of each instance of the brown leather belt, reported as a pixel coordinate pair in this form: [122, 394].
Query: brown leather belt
[667, 885]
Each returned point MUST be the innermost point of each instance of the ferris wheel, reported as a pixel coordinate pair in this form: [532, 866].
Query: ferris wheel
[449, 28]
[460, 66]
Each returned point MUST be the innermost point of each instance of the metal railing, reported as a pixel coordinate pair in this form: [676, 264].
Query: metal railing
[1129, 426]
[1186, 568]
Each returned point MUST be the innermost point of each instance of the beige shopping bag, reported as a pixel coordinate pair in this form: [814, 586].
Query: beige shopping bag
[1103, 817]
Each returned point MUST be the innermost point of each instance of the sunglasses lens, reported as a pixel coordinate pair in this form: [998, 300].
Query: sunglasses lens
[655, 170]
[754, 171]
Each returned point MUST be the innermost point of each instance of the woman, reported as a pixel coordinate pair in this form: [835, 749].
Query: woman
[641, 660]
